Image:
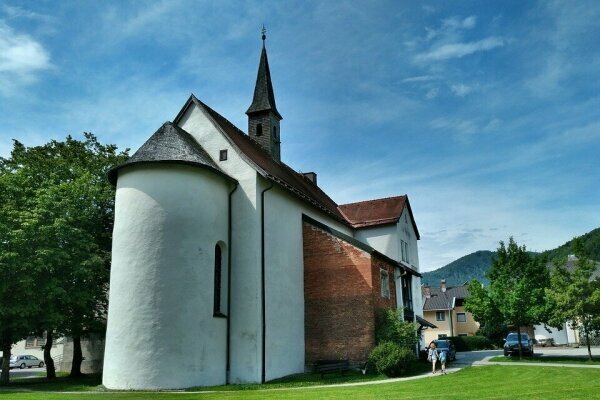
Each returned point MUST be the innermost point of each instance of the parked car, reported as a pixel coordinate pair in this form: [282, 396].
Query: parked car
[511, 344]
[446, 346]
[25, 361]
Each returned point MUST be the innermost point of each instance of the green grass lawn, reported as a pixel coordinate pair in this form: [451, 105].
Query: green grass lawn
[549, 359]
[490, 382]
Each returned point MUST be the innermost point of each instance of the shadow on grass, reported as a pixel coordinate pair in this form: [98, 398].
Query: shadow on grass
[62, 383]
[315, 379]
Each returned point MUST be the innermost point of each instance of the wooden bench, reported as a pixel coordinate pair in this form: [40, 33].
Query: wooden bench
[327, 366]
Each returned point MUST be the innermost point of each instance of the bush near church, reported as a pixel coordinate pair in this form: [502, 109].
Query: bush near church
[396, 340]
[391, 359]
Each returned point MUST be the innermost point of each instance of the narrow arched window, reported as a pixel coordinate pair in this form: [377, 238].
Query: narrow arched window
[258, 129]
[217, 290]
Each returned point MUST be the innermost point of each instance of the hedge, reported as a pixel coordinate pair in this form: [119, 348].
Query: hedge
[470, 343]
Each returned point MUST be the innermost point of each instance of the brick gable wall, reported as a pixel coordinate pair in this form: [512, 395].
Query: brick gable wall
[342, 292]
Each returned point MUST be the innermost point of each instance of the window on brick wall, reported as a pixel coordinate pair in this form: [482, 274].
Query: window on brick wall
[440, 315]
[461, 317]
[385, 283]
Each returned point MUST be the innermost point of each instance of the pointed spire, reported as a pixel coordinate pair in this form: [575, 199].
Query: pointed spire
[264, 98]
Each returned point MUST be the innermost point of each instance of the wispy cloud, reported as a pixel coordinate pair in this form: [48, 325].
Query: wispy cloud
[458, 50]
[461, 90]
[21, 59]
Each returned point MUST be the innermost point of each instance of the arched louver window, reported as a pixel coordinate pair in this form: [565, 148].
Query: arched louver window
[258, 129]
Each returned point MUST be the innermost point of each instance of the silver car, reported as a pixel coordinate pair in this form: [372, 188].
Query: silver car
[25, 361]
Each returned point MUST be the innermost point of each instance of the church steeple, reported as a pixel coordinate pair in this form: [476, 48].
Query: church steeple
[263, 117]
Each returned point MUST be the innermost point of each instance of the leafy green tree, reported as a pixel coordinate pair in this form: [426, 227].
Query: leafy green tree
[484, 310]
[517, 286]
[516, 294]
[576, 296]
[65, 207]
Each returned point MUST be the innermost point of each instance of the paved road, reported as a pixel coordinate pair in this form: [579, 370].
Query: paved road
[27, 372]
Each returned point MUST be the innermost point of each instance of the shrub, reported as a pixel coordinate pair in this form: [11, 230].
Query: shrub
[470, 343]
[391, 359]
[389, 328]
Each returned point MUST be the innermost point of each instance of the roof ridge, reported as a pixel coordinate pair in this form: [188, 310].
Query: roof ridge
[371, 200]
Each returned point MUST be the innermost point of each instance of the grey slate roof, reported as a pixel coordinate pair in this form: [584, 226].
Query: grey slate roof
[169, 144]
[264, 98]
[440, 300]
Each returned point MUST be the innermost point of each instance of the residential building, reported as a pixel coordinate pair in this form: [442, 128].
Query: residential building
[444, 307]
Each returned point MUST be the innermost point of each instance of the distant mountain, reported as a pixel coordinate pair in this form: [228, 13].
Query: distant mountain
[591, 247]
[475, 265]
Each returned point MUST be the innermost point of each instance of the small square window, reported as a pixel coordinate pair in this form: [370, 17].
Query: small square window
[223, 155]
[461, 317]
[440, 315]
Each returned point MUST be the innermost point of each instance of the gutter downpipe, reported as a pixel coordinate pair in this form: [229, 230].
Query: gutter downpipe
[228, 340]
[262, 281]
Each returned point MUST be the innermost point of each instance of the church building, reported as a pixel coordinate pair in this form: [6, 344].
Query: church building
[228, 266]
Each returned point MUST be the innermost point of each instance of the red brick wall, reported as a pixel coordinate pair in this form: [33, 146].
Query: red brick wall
[341, 294]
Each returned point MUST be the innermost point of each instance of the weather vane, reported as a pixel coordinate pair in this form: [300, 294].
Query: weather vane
[264, 33]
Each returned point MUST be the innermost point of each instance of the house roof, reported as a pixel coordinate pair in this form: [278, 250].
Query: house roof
[278, 172]
[441, 300]
[264, 98]
[377, 212]
[358, 244]
[173, 145]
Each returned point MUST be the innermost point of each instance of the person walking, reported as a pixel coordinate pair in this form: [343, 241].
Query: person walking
[443, 355]
[432, 356]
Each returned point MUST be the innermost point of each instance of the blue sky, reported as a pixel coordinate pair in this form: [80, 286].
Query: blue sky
[487, 114]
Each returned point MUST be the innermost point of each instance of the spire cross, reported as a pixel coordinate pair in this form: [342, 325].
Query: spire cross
[264, 33]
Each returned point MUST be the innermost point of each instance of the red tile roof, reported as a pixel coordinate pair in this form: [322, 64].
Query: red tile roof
[377, 212]
[278, 172]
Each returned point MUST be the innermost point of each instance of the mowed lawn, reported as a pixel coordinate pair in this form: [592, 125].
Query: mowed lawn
[489, 382]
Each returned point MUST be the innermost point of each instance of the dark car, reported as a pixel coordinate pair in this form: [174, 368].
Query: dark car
[446, 346]
[511, 344]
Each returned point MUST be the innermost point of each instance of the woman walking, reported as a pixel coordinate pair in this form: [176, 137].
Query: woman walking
[432, 356]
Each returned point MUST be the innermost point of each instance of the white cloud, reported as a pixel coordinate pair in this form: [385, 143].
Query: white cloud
[21, 59]
[458, 23]
[421, 78]
[461, 90]
[458, 50]
[432, 93]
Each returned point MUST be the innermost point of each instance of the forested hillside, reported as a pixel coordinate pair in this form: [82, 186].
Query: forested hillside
[475, 265]
[591, 247]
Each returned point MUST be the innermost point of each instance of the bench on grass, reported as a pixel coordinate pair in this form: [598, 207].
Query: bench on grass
[328, 366]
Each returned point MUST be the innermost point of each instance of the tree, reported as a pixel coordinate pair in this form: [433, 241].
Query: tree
[479, 303]
[576, 296]
[64, 207]
[516, 292]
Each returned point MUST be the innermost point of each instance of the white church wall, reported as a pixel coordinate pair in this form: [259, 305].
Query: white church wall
[168, 219]
[285, 279]
[245, 315]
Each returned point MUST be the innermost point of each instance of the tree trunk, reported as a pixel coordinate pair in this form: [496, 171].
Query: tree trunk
[586, 332]
[50, 370]
[77, 357]
[6, 345]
